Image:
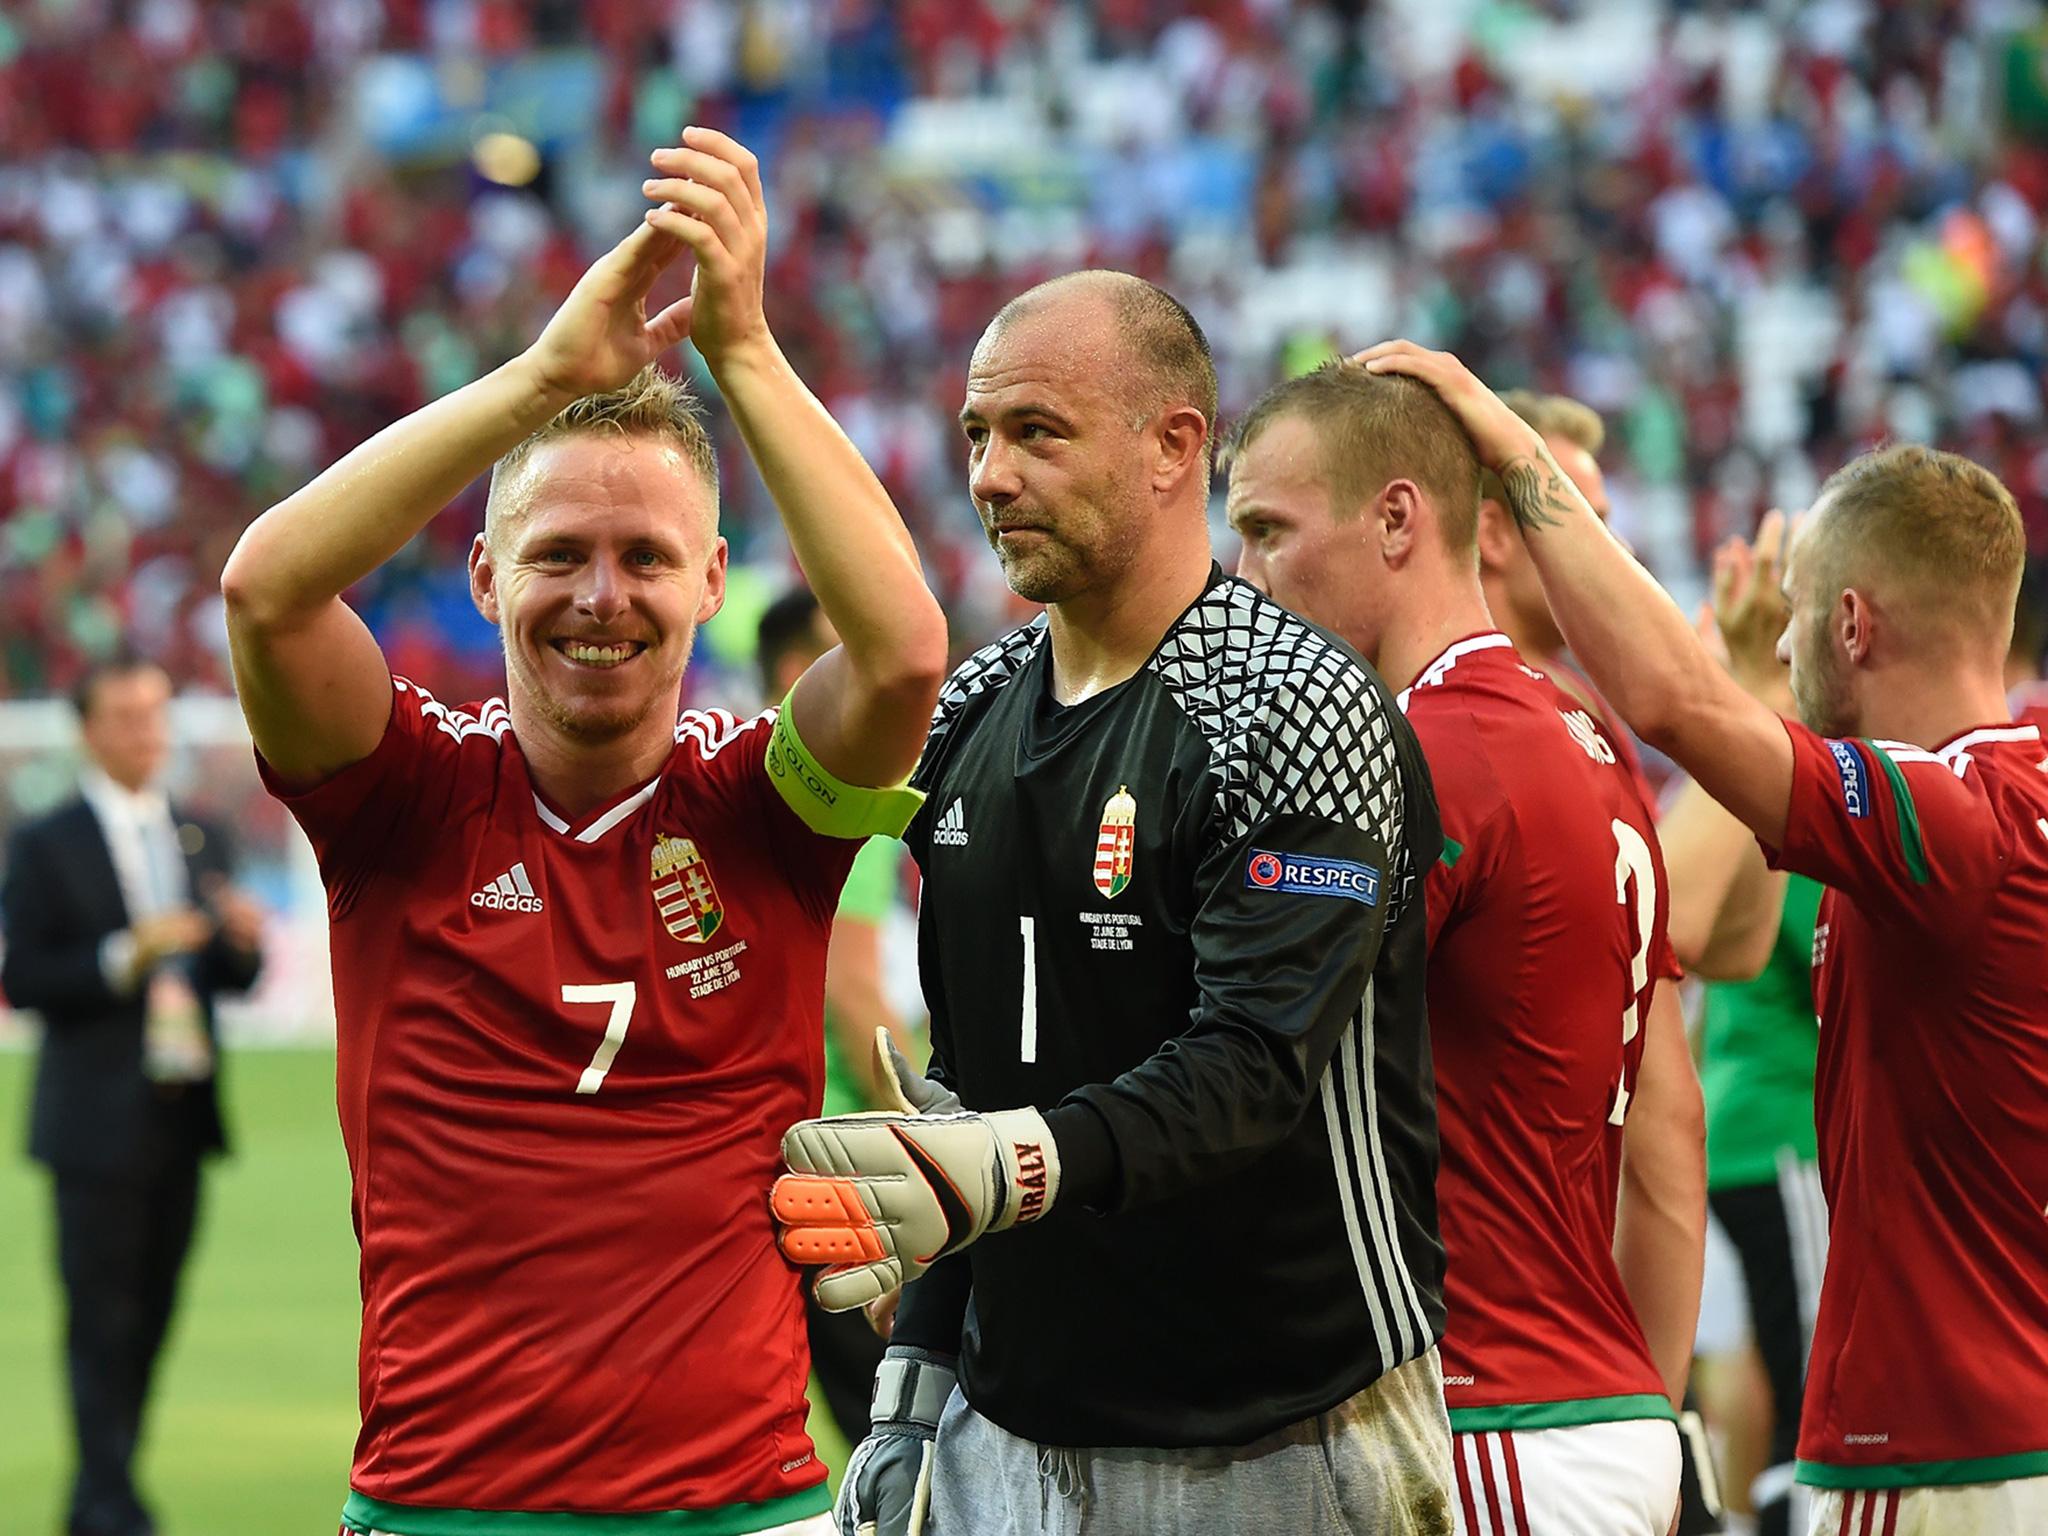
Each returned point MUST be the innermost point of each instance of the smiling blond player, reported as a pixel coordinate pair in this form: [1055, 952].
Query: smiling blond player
[579, 942]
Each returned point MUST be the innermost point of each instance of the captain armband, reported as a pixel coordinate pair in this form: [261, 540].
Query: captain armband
[827, 805]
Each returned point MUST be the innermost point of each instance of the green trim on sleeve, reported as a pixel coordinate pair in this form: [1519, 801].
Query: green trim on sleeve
[827, 805]
[1563, 1415]
[364, 1515]
[1453, 851]
[1910, 843]
[1924, 1474]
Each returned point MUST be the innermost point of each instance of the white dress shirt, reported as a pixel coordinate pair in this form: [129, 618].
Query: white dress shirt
[147, 861]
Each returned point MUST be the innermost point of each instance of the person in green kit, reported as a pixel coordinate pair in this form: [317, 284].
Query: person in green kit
[1749, 931]
[793, 633]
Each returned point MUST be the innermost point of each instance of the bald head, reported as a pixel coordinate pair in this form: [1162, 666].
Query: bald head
[1156, 353]
[1089, 405]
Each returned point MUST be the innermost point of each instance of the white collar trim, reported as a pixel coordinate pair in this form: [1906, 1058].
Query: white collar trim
[604, 823]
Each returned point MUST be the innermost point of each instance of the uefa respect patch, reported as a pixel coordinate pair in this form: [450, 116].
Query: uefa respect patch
[1301, 874]
[1855, 777]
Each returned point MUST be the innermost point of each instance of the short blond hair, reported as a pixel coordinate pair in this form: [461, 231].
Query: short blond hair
[1559, 416]
[1552, 416]
[1373, 428]
[1940, 532]
[651, 404]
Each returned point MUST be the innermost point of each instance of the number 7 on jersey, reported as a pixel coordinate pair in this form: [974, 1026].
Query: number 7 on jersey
[620, 995]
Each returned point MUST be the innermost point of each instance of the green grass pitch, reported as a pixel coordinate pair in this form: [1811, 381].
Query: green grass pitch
[254, 1414]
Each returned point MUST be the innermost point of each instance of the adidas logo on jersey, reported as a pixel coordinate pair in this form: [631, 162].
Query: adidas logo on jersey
[951, 831]
[510, 892]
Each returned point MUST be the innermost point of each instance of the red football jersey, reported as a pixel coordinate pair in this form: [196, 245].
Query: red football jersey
[1931, 1346]
[1617, 734]
[1547, 936]
[568, 1052]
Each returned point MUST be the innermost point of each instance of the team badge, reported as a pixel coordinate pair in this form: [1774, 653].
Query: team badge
[683, 892]
[1116, 843]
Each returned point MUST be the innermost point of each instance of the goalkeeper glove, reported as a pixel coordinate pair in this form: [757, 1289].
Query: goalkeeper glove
[911, 1091]
[887, 1489]
[881, 1198]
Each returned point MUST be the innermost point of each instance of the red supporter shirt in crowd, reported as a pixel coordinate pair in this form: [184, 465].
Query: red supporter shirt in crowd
[568, 1051]
[1547, 920]
[1930, 1354]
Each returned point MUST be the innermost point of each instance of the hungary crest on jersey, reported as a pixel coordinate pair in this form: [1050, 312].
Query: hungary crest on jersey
[1115, 843]
[683, 892]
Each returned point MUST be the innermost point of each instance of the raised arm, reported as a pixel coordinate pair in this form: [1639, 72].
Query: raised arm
[312, 681]
[863, 707]
[1632, 639]
[1725, 901]
[1704, 849]
[1724, 898]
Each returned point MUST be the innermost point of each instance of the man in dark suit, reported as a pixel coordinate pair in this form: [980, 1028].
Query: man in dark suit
[120, 929]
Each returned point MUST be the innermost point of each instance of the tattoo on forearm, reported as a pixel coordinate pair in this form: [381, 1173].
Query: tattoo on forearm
[1536, 493]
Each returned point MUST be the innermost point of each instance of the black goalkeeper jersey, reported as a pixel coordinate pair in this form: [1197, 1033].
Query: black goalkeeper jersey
[1185, 918]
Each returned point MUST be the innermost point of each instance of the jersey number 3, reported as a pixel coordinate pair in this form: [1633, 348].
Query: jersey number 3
[619, 994]
[1635, 869]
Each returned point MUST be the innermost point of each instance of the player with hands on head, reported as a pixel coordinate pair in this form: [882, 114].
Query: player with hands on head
[1557, 1043]
[578, 934]
[1905, 788]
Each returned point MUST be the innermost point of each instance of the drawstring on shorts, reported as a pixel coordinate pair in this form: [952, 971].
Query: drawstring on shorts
[1060, 1471]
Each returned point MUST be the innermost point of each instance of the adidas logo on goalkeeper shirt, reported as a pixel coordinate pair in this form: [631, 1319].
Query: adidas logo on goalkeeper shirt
[510, 892]
[951, 831]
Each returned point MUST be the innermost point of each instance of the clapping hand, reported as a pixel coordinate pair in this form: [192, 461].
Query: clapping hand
[1751, 611]
[709, 189]
[711, 205]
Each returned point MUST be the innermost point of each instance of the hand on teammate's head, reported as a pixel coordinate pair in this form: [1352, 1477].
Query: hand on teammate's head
[1499, 436]
[1751, 610]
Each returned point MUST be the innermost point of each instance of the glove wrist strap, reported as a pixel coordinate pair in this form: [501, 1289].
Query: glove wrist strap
[1030, 1165]
[911, 1387]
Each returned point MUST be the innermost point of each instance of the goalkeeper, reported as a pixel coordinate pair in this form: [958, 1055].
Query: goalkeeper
[1172, 941]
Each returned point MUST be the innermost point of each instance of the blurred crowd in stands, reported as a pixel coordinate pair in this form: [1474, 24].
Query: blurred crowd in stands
[236, 239]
